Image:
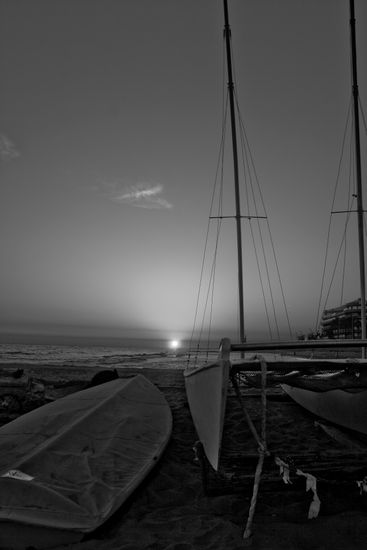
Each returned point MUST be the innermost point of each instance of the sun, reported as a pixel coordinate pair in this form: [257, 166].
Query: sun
[174, 344]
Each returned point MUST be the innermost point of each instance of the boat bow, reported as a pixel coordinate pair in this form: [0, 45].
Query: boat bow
[206, 390]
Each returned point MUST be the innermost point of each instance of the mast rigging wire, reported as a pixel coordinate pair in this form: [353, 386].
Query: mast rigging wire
[341, 156]
[248, 167]
[250, 164]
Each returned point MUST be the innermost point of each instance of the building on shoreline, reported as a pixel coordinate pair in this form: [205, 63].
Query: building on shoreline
[342, 322]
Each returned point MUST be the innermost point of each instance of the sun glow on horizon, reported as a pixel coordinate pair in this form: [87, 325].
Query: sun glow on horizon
[174, 344]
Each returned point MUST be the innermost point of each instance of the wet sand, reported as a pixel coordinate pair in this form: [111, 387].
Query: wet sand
[170, 511]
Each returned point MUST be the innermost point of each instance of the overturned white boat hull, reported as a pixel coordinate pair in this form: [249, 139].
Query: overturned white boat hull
[68, 466]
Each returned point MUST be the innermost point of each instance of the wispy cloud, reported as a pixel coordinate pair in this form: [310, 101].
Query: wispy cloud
[7, 149]
[141, 195]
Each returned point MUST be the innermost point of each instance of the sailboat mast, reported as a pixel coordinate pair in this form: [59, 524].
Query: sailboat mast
[358, 170]
[227, 34]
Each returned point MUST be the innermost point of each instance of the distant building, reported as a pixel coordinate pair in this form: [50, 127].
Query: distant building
[342, 322]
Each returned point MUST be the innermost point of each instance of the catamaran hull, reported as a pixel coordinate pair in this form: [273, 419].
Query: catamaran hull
[206, 390]
[347, 409]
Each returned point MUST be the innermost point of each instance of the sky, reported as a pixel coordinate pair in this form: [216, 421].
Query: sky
[110, 127]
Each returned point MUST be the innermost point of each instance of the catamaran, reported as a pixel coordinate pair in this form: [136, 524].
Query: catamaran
[340, 398]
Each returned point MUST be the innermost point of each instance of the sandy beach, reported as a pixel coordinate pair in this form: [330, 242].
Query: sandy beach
[171, 511]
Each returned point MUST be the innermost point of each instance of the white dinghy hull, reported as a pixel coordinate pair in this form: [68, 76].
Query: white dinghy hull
[206, 390]
[66, 467]
[345, 408]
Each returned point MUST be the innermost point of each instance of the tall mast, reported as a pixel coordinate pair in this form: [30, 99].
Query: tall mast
[358, 170]
[227, 34]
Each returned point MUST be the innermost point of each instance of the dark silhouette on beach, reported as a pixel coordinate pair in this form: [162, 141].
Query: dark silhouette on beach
[102, 377]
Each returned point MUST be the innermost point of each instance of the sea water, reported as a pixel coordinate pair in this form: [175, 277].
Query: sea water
[80, 352]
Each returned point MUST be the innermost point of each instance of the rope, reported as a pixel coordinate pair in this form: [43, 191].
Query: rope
[365, 131]
[262, 452]
[248, 529]
[246, 414]
[341, 156]
[251, 166]
[349, 207]
[246, 164]
[260, 440]
[337, 258]
[252, 189]
[363, 115]
[244, 154]
[219, 168]
[350, 204]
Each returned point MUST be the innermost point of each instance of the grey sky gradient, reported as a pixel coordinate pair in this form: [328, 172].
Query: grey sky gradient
[109, 136]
